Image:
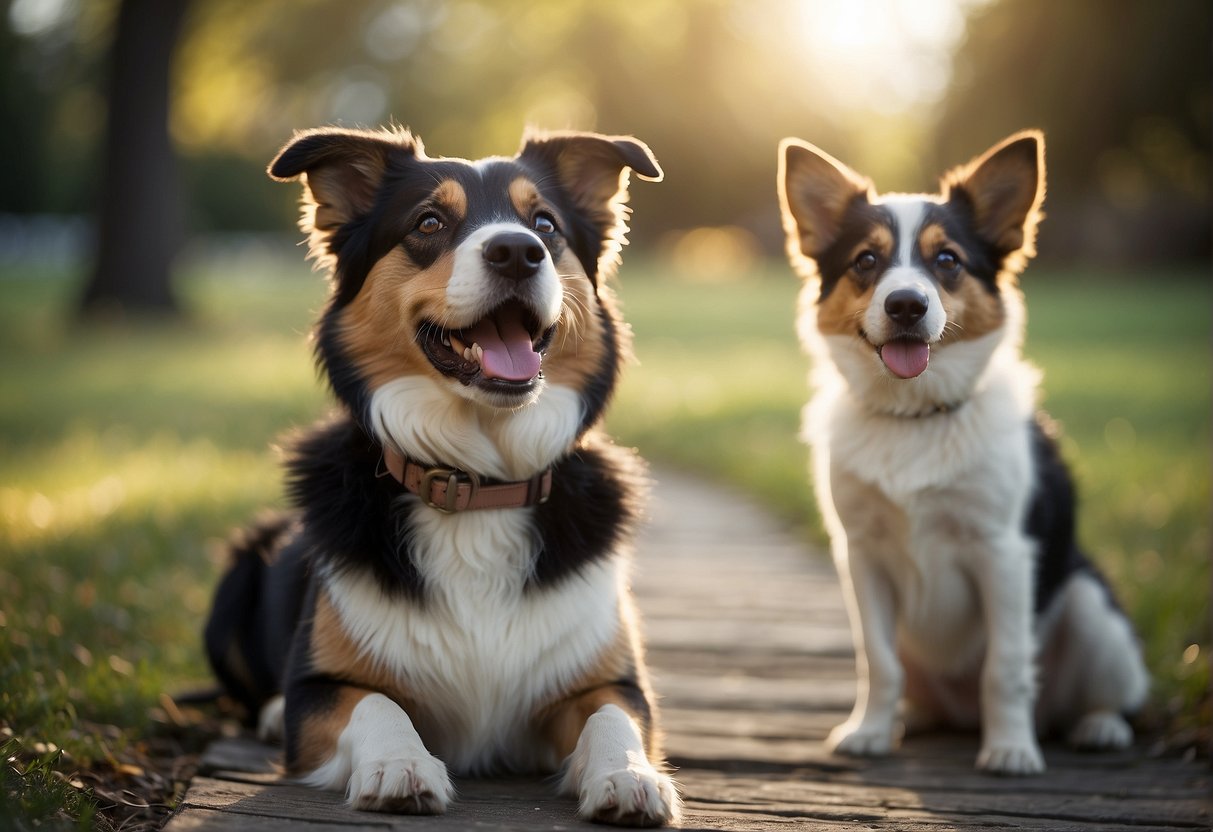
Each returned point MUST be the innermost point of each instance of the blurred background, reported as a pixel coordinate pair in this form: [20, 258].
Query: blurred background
[197, 95]
[154, 302]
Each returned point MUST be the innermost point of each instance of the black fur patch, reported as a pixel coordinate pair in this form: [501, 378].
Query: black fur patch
[598, 390]
[1051, 521]
[348, 506]
[254, 612]
[837, 261]
[980, 257]
[592, 509]
[306, 691]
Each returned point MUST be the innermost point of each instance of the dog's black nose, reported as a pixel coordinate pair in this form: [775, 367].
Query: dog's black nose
[514, 254]
[906, 306]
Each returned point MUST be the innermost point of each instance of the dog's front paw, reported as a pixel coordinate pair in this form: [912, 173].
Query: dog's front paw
[1012, 759]
[633, 796]
[859, 740]
[1101, 731]
[407, 786]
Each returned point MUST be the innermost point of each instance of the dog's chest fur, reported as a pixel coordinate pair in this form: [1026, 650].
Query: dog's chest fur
[482, 651]
[926, 496]
[483, 646]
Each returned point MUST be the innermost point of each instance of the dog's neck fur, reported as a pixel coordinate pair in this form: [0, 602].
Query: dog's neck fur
[432, 425]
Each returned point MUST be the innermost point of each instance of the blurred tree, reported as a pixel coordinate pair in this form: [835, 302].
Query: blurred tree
[140, 220]
[1122, 89]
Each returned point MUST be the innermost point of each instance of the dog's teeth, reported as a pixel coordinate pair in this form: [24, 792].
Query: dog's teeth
[455, 344]
[446, 341]
[478, 351]
[467, 353]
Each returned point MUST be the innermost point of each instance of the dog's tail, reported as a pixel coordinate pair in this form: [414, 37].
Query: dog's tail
[237, 630]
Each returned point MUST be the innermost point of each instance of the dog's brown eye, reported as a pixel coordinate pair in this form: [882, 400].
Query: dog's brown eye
[947, 261]
[430, 224]
[543, 223]
[865, 262]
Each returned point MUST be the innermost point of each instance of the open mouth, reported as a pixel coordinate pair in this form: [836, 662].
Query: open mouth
[905, 357]
[502, 352]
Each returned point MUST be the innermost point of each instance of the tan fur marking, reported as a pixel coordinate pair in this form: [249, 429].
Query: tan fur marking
[452, 196]
[576, 352]
[933, 239]
[336, 654]
[524, 195]
[973, 309]
[880, 240]
[379, 327]
[318, 734]
[841, 313]
[562, 721]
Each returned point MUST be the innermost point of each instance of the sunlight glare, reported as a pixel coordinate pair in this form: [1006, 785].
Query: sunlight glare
[885, 55]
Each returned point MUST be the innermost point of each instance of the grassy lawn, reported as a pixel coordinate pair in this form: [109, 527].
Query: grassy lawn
[126, 454]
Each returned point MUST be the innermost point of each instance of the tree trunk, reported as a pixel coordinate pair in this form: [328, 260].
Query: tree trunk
[140, 219]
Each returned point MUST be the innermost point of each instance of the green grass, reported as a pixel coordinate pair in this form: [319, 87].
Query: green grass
[127, 453]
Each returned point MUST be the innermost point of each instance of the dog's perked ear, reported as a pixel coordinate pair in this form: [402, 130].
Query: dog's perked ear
[1003, 190]
[815, 190]
[341, 171]
[590, 170]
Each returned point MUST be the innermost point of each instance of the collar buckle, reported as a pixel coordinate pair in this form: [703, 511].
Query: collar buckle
[453, 478]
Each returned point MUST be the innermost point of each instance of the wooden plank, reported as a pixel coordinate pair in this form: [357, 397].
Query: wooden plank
[817, 795]
[504, 804]
[240, 754]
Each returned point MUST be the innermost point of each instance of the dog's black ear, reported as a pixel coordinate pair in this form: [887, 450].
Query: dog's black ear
[815, 190]
[341, 171]
[1003, 189]
[591, 170]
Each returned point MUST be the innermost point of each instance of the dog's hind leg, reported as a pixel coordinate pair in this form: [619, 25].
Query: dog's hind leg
[605, 737]
[1095, 675]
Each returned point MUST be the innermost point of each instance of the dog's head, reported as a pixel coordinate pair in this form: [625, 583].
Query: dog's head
[896, 277]
[480, 279]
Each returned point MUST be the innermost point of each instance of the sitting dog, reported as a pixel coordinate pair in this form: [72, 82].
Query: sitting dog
[950, 512]
[450, 592]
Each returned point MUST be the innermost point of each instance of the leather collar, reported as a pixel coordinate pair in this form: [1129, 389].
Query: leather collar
[933, 410]
[451, 490]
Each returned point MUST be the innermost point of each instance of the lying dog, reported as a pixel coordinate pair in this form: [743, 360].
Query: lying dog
[451, 591]
[950, 513]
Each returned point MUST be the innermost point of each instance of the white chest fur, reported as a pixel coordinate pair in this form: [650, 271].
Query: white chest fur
[482, 651]
[922, 499]
[425, 421]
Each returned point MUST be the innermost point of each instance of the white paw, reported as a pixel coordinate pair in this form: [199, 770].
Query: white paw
[860, 740]
[1101, 731]
[417, 786]
[271, 720]
[1013, 759]
[633, 796]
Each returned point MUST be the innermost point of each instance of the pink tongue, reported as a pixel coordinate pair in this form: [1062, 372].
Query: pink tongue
[508, 353]
[905, 359]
